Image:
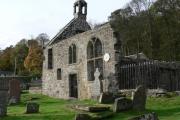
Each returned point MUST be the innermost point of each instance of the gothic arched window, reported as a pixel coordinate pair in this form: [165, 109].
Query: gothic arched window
[90, 51]
[72, 54]
[94, 58]
[98, 48]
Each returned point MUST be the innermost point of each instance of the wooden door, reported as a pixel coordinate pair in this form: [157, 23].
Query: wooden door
[73, 85]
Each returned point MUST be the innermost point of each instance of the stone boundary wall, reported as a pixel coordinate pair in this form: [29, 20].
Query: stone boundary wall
[4, 82]
[150, 92]
[35, 90]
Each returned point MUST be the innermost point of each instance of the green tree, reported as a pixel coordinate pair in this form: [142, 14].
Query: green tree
[18, 56]
[151, 27]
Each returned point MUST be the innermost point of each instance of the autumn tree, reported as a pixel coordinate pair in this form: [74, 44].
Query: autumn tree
[5, 59]
[34, 60]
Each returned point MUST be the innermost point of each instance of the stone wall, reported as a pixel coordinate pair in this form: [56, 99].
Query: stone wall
[60, 88]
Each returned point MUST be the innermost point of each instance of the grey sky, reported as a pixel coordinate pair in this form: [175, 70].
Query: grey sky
[27, 18]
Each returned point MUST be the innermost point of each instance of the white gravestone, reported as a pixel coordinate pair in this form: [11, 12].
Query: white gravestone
[96, 86]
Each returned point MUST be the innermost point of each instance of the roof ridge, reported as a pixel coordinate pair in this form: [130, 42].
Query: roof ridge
[61, 31]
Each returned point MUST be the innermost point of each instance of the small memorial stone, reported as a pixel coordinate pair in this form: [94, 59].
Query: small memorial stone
[151, 116]
[106, 98]
[32, 107]
[81, 116]
[122, 104]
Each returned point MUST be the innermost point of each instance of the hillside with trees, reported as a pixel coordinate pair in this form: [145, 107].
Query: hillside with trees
[151, 27]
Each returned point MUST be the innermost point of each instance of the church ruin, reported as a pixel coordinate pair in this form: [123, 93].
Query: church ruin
[73, 56]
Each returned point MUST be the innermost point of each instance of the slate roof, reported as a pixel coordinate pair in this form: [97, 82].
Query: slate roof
[75, 26]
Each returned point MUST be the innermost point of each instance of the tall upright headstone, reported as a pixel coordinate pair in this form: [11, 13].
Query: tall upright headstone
[113, 86]
[3, 103]
[14, 91]
[139, 98]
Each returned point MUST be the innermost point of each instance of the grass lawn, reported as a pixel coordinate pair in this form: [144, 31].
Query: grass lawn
[55, 109]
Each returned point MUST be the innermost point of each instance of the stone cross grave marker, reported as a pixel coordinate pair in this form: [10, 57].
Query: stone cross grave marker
[96, 86]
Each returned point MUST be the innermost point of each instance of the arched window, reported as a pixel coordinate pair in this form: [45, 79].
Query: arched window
[98, 48]
[94, 58]
[72, 54]
[90, 51]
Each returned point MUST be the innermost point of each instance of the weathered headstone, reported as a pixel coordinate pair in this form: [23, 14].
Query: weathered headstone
[14, 91]
[32, 107]
[96, 85]
[105, 85]
[113, 86]
[122, 104]
[3, 103]
[139, 98]
[82, 116]
[106, 98]
[151, 116]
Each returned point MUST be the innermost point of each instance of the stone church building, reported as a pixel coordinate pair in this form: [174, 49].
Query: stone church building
[74, 54]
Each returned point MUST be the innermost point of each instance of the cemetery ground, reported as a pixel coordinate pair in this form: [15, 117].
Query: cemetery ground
[56, 109]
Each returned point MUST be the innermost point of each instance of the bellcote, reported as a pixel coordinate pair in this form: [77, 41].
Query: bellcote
[80, 9]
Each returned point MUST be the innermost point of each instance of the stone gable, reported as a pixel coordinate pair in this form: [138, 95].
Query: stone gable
[61, 53]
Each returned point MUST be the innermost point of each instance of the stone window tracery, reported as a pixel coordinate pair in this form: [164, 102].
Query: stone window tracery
[94, 58]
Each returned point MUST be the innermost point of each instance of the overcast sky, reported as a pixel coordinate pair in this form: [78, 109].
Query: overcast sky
[27, 18]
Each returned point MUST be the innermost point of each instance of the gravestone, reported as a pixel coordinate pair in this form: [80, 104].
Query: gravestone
[113, 86]
[105, 85]
[3, 103]
[82, 116]
[122, 104]
[32, 107]
[14, 91]
[139, 98]
[96, 85]
[106, 98]
[150, 116]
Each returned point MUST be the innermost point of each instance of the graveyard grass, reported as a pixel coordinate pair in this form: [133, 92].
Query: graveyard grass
[55, 109]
